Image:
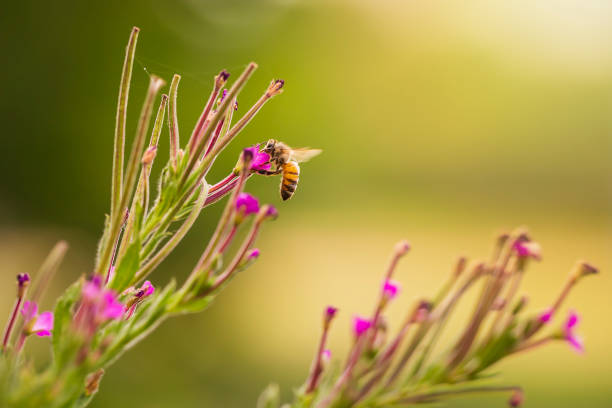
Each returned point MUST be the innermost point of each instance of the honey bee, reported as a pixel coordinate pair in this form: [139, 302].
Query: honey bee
[285, 160]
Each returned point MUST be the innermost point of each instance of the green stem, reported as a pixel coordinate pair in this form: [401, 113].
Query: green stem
[176, 238]
[132, 171]
[119, 144]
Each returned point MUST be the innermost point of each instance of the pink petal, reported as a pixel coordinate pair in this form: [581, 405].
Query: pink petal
[43, 323]
[29, 310]
[148, 288]
[112, 308]
[391, 289]
[572, 320]
[361, 325]
[576, 342]
[546, 315]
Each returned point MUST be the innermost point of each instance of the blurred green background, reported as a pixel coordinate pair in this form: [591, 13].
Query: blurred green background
[441, 122]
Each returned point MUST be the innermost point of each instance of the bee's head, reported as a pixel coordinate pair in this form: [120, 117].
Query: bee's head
[270, 146]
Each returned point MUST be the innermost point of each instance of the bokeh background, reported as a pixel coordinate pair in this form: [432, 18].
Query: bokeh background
[441, 122]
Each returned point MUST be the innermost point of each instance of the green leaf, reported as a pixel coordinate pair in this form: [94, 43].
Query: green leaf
[127, 268]
[62, 319]
[193, 306]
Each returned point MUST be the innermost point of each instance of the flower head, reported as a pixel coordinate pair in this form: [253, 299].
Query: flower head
[247, 204]
[260, 160]
[331, 311]
[361, 325]
[528, 249]
[568, 331]
[23, 279]
[271, 212]
[253, 254]
[546, 315]
[390, 289]
[516, 399]
[40, 324]
[110, 308]
[101, 303]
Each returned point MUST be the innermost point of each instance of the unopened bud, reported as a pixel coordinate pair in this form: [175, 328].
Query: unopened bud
[23, 280]
[586, 268]
[275, 88]
[221, 79]
[92, 382]
[516, 399]
[149, 155]
[460, 266]
[328, 316]
[422, 312]
[401, 248]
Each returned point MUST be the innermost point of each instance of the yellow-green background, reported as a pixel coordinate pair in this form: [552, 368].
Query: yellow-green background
[441, 122]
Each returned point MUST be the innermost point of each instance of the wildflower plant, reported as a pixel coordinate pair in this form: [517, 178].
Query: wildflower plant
[400, 370]
[108, 311]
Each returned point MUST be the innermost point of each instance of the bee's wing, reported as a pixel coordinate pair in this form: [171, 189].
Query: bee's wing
[304, 154]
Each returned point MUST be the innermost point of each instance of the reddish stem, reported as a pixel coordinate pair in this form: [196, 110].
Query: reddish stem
[11, 322]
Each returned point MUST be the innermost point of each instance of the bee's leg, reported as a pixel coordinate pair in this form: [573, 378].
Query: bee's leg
[269, 172]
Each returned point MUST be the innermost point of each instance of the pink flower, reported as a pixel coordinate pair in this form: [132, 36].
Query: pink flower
[253, 254]
[528, 249]
[103, 302]
[23, 279]
[546, 315]
[390, 289]
[272, 212]
[261, 160]
[326, 355]
[574, 340]
[147, 289]
[331, 311]
[247, 203]
[361, 325]
[111, 307]
[41, 324]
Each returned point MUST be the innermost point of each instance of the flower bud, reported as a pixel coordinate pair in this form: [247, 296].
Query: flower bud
[275, 88]
[149, 155]
[516, 399]
[401, 248]
[361, 325]
[221, 79]
[390, 289]
[23, 280]
[328, 316]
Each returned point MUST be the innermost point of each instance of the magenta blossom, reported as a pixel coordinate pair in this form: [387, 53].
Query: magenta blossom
[261, 160]
[41, 324]
[390, 289]
[361, 325]
[528, 249]
[574, 340]
[546, 315]
[247, 203]
[147, 289]
[272, 212]
[331, 311]
[253, 254]
[326, 355]
[101, 302]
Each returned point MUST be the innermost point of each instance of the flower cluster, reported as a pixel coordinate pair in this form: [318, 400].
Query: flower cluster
[101, 316]
[402, 371]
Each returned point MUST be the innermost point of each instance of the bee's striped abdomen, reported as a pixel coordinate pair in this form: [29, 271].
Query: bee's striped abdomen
[291, 175]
